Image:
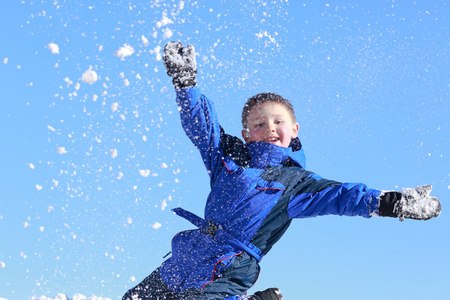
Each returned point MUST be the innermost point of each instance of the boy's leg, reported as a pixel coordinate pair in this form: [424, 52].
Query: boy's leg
[151, 288]
[269, 294]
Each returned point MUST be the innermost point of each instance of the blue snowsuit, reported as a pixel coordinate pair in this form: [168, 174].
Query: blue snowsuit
[256, 191]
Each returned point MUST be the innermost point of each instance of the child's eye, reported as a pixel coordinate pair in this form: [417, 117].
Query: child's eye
[259, 125]
[278, 122]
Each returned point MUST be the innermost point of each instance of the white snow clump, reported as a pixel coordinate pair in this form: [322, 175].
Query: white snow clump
[113, 153]
[61, 150]
[168, 33]
[89, 76]
[144, 40]
[164, 21]
[124, 51]
[53, 48]
[417, 203]
[144, 173]
[114, 106]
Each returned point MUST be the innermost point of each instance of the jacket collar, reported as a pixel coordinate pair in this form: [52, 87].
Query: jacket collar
[264, 154]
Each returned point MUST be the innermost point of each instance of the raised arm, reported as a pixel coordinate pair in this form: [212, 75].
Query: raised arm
[198, 115]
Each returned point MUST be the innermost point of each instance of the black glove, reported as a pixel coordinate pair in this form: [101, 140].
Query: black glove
[410, 203]
[180, 64]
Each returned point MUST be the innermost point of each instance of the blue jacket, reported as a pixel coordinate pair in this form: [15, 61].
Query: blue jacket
[256, 191]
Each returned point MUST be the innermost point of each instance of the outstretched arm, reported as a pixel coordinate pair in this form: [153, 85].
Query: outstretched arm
[314, 196]
[198, 115]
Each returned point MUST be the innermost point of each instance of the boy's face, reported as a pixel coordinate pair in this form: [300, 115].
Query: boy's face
[270, 123]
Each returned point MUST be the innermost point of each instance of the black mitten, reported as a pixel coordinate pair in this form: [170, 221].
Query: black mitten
[411, 203]
[180, 64]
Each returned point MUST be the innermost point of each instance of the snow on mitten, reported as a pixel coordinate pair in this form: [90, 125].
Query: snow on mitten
[180, 64]
[411, 203]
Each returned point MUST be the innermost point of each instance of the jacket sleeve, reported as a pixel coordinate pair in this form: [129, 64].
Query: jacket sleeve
[312, 196]
[199, 121]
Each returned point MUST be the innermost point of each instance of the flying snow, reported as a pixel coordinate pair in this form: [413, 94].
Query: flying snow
[114, 106]
[144, 40]
[157, 52]
[168, 33]
[114, 153]
[64, 297]
[144, 173]
[124, 51]
[156, 225]
[89, 76]
[164, 21]
[53, 48]
[61, 150]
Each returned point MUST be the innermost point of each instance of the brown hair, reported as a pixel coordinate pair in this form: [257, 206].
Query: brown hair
[263, 98]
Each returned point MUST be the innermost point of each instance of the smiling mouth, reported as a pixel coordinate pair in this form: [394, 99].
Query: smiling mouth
[272, 140]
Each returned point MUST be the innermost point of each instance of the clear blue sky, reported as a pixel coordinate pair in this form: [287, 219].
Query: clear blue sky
[370, 84]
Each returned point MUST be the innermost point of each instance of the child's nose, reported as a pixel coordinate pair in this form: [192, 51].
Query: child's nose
[271, 127]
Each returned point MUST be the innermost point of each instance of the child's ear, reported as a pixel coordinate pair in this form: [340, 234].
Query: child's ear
[245, 135]
[295, 129]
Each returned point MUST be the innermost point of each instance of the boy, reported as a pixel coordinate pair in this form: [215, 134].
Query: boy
[257, 188]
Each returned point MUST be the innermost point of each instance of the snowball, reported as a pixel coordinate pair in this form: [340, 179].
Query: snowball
[156, 225]
[31, 166]
[2, 264]
[164, 165]
[124, 51]
[126, 82]
[5, 60]
[53, 48]
[89, 76]
[38, 187]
